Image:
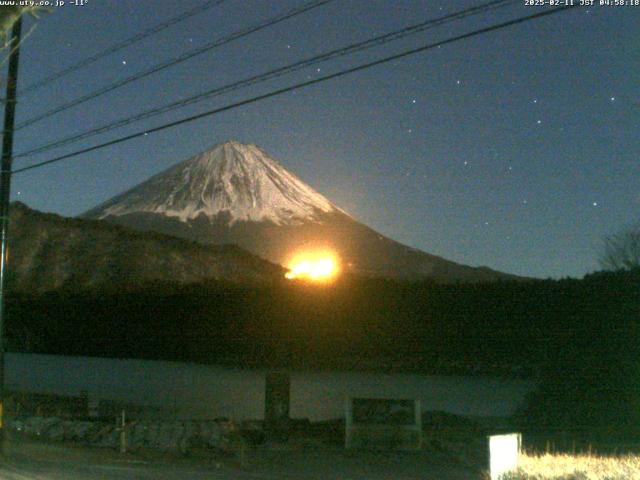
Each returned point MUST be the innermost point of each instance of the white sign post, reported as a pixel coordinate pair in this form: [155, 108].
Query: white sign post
[504, 451]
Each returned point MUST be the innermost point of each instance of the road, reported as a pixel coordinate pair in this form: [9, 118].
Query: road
[37, 461]
[66, 471]
[31, 460]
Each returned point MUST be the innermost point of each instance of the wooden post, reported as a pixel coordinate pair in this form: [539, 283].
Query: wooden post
[123, 434]
[5, 197]
[276, 405]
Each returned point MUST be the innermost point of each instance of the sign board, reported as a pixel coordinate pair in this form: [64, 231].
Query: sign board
[383, 423]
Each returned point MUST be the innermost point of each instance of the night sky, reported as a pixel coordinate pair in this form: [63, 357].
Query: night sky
[518, 149]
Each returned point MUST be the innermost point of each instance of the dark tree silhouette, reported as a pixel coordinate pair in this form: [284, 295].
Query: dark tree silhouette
[621, 251]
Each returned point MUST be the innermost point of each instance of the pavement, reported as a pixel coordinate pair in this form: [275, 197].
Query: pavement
[29, 460]
[25, 459]
[62, 471]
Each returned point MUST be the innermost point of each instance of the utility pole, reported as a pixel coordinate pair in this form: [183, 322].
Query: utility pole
[5, 197]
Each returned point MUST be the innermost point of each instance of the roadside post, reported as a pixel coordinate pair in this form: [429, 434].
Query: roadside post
[503, 453]
[123, 432]
[5, 197]
[276, 405]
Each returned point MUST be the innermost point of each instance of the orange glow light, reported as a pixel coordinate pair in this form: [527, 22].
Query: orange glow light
[318, 267]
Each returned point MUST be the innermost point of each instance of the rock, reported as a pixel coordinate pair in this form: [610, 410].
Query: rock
[137, 435]
[77, 431]
[33, 426]
[16, 425]
[211, 434]
[54, 430]
[108, 437]
[153, 432]
[161, 435]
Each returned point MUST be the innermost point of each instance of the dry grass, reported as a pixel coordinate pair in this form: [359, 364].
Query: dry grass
[576, 467]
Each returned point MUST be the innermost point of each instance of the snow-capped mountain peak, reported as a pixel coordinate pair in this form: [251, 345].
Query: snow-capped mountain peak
[234, 178]
[237, 194]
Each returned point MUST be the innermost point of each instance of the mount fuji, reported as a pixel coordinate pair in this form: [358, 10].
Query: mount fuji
[236, 193]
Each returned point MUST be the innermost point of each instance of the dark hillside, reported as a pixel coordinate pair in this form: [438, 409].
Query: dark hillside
[50, 252]
[502, 326]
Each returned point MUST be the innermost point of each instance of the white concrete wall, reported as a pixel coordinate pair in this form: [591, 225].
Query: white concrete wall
[195, 391]
[201, 391]
[320, 395]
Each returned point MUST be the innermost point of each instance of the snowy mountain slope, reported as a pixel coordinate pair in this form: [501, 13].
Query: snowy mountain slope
[239, 180]
[237, 194]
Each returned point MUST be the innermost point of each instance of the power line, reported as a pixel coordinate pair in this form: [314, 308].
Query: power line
[121, 45]
[298, 86]
[182, 58]
[370, 43]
